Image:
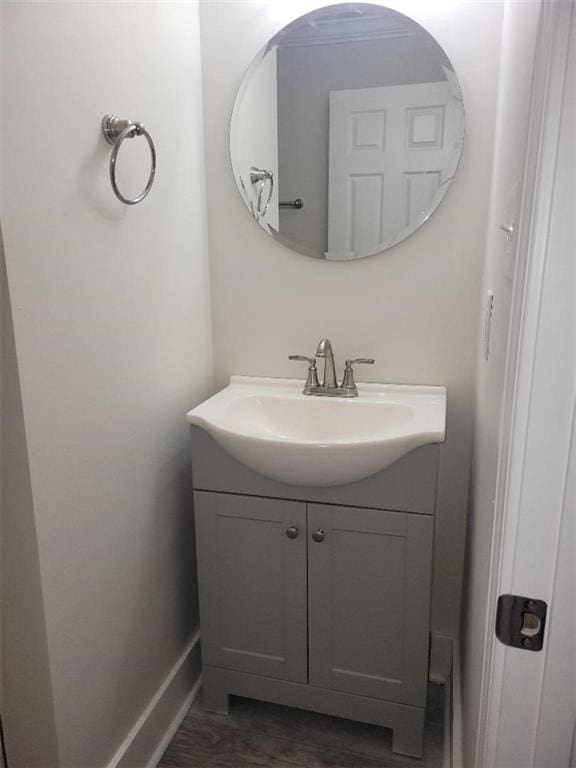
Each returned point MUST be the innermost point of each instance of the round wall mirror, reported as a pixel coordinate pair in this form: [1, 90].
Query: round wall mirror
[346, 131]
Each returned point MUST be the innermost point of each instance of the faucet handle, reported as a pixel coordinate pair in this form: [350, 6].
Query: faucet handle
[303, 358]
[312, 378]
[365, 360]
[348, 382]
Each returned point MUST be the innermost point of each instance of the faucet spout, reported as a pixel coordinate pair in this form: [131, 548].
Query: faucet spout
[325, 350]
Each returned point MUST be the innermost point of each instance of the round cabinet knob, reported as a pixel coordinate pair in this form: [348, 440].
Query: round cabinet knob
[292, 532]
[318, 535]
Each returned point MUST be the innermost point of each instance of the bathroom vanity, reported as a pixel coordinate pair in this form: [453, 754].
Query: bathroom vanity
[315, 597]
[315, 500]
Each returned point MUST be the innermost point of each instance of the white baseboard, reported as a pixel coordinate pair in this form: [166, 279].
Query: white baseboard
[441, 658]
[152, 732]
[174, 725]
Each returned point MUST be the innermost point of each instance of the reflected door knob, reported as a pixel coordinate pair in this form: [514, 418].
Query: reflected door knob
[508, 228]
[292, 532]
[318, 535]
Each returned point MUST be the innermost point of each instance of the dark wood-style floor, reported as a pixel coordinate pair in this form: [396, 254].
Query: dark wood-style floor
[259, 735]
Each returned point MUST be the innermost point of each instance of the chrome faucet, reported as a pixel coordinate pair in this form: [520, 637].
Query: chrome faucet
[329, 386]
[325, 350]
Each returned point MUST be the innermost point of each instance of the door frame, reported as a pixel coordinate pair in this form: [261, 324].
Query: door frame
[512, 681]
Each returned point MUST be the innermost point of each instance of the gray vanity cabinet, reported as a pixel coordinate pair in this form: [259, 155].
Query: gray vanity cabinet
[253, 584]
[368, 577]
[317, 598]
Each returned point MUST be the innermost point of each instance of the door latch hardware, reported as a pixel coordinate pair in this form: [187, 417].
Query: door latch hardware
[520, 622]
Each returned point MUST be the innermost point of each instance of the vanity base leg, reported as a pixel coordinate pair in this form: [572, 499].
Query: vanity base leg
[215, 697]
[405, 721]
[408, 736]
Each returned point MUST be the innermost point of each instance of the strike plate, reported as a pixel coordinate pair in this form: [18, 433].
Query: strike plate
[520, 622]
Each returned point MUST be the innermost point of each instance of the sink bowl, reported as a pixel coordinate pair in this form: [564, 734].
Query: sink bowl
[271, 427]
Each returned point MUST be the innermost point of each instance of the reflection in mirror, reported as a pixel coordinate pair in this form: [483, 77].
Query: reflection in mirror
[346, 131]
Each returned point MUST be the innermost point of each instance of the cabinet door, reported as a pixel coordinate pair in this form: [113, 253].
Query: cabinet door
[252, 582]
[369, 602]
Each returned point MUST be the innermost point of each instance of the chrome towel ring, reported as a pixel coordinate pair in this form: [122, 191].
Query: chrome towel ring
[115, 131]
[258, 178]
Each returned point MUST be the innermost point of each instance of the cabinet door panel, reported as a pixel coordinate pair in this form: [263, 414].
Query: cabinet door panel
[252, 580]
[369, 601]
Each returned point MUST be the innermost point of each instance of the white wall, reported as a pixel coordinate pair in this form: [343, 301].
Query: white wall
[112, 337]
[414, 308]
[519, 35]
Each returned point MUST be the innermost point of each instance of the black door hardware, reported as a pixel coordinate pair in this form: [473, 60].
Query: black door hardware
[520, 622]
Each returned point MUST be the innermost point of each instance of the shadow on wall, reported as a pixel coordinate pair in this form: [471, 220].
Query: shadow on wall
[173, 479]
[26, 698]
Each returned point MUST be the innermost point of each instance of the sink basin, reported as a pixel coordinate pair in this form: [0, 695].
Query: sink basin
[271, 427]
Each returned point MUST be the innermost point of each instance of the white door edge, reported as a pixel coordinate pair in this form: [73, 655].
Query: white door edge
[504, 668]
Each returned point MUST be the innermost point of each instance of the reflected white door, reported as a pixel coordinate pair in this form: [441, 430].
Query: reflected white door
[392, 151]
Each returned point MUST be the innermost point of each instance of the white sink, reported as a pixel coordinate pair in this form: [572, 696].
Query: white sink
[271, 427]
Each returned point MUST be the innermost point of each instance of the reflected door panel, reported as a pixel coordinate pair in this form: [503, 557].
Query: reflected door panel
[391, 150]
